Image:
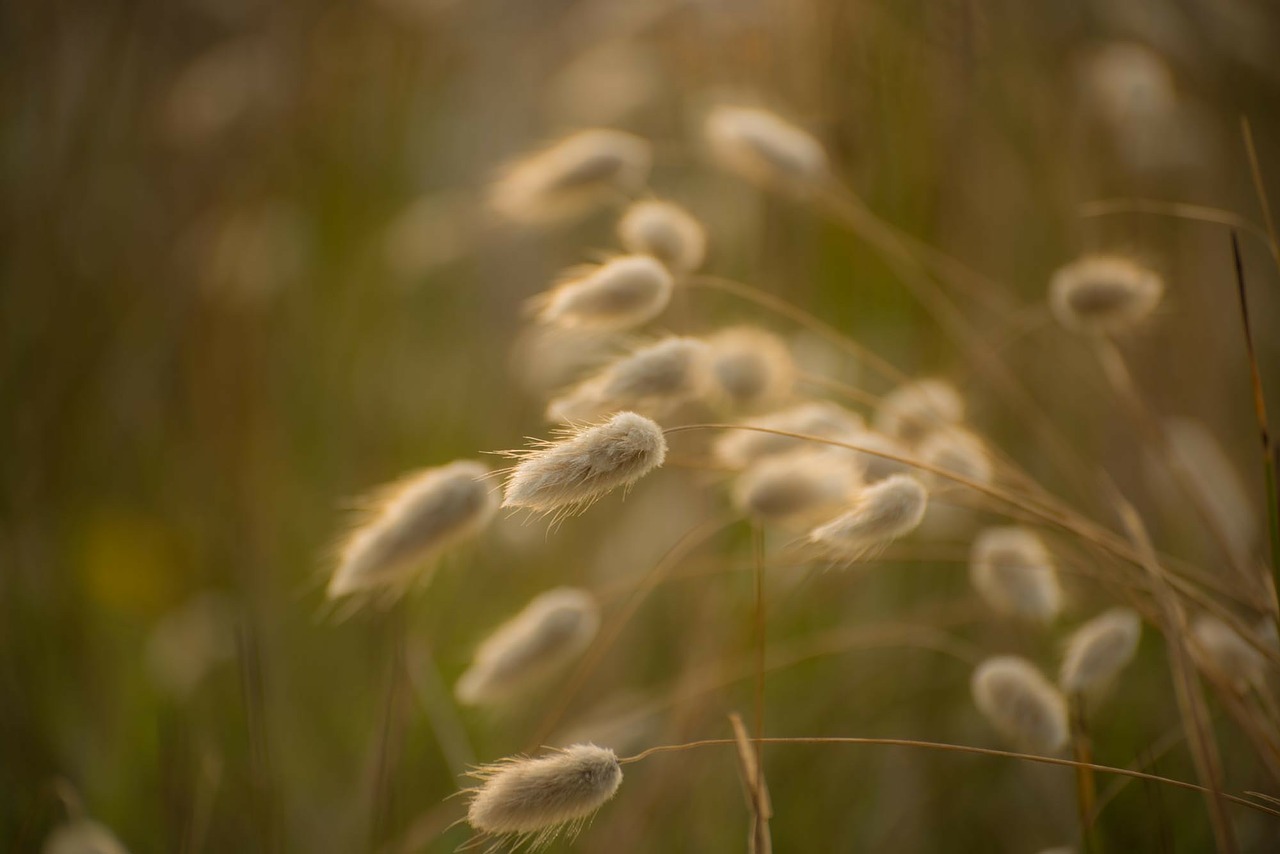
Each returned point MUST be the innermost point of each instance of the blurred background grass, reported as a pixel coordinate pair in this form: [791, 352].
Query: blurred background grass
[247, 274]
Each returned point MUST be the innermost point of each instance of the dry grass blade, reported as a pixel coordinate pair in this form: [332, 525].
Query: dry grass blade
[753, 784]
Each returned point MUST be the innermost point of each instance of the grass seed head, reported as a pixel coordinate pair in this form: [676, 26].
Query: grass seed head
[1097, 651]
[915, 409]
[763, 148]
[568, 178]
[1020, 703]
[881, 513]
[412, 522]
[1012, 570]
[665, 231]
[549, 632]
[620, 294]
[538, 799]
[958, 451]
[1103, 294]
[751, 369]
[796, 489]
[1220, 649]
[564, 476]
[652, 380]
[740, 448]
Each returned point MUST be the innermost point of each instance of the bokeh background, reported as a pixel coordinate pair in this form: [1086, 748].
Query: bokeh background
[248, 274]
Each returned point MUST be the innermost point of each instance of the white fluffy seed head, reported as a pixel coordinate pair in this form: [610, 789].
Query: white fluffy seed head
[881, 513]
[1097, 651]
[959, 451]
[543, 797]
[1220, 648]
[620, 294]
[665, 231]
[1012, 570]
[411, 523]
[549, 632]
[83, 836]
[915, 409]
[1197, 451]
[796, 489]
[1020, 703]
[751, 369]
[652, 380]
[568, 178]
[740, 448]
[1102, 294]
[568, 475]
[876, 467]
[763, 148]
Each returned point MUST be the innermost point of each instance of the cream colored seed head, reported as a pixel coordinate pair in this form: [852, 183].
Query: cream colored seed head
[881, 513]
[1220, 648]
[543, 797]
[591, 461]
[763, 148]
[796, 489]
[619, 294]
[413, 522]
[1012, 570]
[652, 380]
[875, 467]
[572, 176]
[959, 451]
[549, 632]
[665, 231]
[1103, 294]
[740, 448]
[1020, 703]
[1097, 651]
[915, 409]
[751, 369]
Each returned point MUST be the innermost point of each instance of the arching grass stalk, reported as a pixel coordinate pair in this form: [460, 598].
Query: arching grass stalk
[947, 747]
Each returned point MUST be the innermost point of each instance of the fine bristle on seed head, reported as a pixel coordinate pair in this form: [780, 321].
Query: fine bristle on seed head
[1020, 703]
[665, 231]
[825, 420]
[751, 369]
[1097, 651]
[1012, 570]
[622, 293]
[540, 798]
[915, 409]
[1103, 294]
[796, 489]
[652, 380]
[413, 522]
[572, 176]
[591, 461]
[882, 512]
[550, 631]
[763, 148]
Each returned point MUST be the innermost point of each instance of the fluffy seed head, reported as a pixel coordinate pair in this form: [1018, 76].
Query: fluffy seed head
[591, 461]
[1012, 570]
[652, 380]
[1221, 649]
[1101, 294]
[619, 294]
[1097, 651]
[875, 467]
[412, 522]
[761, 147]
[551, 630]
[796, 489]
[917, 408]
[1020, 703]
[540, 798]
[665, 231]
[750, 368]
[572, 176]
[740, 448]
[958, 451]
[882, 512]
[1216, 478]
